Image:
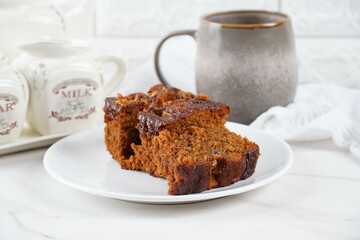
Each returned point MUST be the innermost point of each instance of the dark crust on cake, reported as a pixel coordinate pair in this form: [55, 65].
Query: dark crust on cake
[153, 121]
[150, 123]
[228, 171]
[112, 107]
[194, 178]
[183, 109]
[171, 93]
[251, 158]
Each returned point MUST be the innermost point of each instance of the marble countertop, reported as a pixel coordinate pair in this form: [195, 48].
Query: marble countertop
[317, 199]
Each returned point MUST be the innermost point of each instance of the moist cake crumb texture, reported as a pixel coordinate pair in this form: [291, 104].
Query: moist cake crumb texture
[178, 136]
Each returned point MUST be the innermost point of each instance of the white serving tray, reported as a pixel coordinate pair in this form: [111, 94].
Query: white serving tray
[29, 139]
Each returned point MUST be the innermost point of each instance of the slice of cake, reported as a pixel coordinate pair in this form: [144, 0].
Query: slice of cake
[178, 136]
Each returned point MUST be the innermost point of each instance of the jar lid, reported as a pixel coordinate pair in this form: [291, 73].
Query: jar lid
[43, 46]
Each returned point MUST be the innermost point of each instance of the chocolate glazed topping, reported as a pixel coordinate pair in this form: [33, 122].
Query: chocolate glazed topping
[150, 123]
[111, 109]
[153, 121]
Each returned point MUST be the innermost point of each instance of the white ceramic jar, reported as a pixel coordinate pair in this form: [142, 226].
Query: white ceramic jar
[14, 95]
[67, 86]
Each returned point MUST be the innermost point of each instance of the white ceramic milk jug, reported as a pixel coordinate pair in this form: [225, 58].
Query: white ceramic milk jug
[14, 95]
[67, 87]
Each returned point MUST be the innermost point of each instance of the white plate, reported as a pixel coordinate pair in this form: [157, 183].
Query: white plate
[29, 139]
[82, 162]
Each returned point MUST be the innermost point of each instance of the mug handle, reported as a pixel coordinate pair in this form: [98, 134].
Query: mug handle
[159, 74]
[119, 74]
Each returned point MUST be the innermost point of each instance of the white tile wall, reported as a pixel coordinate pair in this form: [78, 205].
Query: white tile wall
[157, 17]
[327, 31]
[332, 60]
[324, 17]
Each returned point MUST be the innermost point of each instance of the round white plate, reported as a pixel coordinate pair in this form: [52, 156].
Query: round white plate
[82, 162]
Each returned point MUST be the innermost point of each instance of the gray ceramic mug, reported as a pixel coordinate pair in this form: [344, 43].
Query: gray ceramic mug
[245, 59]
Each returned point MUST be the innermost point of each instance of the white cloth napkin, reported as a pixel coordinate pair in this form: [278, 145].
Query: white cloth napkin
[319, 111]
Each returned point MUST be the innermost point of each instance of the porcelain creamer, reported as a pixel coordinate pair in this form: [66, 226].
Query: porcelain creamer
[66, 83]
